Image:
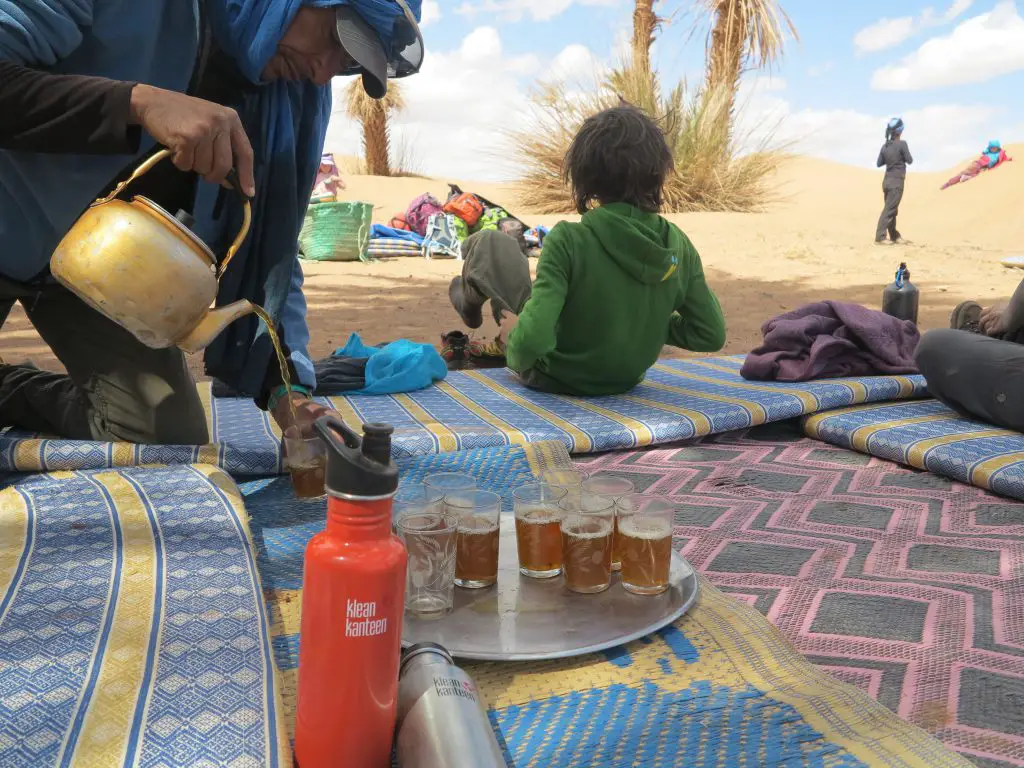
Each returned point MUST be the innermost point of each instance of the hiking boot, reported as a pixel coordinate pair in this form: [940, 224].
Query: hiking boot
[455, 350]
[489, 354]
[966, 317]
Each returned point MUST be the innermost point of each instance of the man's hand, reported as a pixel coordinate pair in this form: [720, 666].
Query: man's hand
[508, 322]
[205, 137]
[306, 413]
[993, 320]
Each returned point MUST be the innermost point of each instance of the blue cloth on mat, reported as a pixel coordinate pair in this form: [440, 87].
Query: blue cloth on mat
[401, 366]
[379, 231]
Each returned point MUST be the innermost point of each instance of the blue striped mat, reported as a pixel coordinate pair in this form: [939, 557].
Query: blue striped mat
[679, 400]
[132, 626]
[928, 435]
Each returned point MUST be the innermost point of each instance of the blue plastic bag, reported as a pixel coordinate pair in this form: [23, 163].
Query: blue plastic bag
[401, 366]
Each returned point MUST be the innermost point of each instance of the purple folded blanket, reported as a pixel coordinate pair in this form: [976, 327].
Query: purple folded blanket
[832, 339]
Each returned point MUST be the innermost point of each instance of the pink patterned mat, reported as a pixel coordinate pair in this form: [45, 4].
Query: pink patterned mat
[905, 584]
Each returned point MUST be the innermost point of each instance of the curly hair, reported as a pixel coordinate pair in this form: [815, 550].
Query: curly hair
[619, 156]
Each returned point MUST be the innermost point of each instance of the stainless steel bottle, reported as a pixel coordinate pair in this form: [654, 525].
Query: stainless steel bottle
[900, 298]
[441, 719]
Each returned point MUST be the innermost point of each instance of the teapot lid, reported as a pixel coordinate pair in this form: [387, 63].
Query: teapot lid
[177, 225]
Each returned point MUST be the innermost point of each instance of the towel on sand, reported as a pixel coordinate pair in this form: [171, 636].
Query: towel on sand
[831, 339]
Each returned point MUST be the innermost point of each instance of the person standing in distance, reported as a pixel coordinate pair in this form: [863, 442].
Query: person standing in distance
[894, 157]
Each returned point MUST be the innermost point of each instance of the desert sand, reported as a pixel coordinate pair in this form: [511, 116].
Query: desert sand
[815, 242]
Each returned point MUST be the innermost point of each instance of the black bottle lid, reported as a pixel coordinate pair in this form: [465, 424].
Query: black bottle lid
[359, 466]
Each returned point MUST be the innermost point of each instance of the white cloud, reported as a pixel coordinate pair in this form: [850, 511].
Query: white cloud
[431, 13]
[955, 11]
[887, 33]
[817, 70]
[515, 10]
[576, 64]
[462, 104]
[979, 49]
[884, 33]
[940, 135]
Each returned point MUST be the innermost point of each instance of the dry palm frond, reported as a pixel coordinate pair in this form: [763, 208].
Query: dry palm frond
[373, 115]
[744, 33]
[708, 176]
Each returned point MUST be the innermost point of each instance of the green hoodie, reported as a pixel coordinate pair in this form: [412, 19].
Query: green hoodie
[610, 292]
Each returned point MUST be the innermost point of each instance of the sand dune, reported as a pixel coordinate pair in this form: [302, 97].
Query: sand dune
[816, 242]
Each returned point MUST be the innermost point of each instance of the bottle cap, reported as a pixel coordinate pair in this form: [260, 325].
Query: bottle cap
[422, 649]
[358, 466]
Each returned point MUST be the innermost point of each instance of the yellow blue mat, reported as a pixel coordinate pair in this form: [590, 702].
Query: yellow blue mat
[719, 689]
[928, 435]
[679, 400]
[132, 626]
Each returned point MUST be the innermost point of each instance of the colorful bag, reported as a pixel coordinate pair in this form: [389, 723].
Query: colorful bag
[398, 221]
[461, 228]
[441, 238]
[467, 207]
[420, 211]
[491, 218]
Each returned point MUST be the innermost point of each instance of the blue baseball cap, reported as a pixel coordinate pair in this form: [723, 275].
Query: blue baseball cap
[383, 38]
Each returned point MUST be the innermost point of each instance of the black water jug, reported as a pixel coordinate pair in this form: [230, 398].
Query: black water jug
[900, 298]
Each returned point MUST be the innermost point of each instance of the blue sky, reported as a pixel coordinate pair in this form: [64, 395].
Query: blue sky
[954, 69]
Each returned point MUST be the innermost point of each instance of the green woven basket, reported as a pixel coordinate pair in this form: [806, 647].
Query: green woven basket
[336, 231]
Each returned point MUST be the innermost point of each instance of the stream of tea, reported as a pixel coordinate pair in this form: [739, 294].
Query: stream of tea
[281, 361]
[306, 467]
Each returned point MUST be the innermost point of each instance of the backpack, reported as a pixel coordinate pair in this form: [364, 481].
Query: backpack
[420, 211]
[398, 222]
[491, 218]
[466, 206]
[441, 238]
[461, 228]
[454, 190]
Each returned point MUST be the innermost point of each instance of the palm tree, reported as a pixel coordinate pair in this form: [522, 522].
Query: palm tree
[745, 34]
[645, 25]
[373, 115]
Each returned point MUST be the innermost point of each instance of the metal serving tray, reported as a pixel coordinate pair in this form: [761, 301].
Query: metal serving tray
[524, 619]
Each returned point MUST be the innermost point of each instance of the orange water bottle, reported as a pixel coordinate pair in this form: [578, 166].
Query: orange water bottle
[353, 596]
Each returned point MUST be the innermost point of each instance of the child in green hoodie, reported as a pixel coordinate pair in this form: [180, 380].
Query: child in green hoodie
[611, 290]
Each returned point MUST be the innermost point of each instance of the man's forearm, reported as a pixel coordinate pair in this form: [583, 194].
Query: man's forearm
[73, 114]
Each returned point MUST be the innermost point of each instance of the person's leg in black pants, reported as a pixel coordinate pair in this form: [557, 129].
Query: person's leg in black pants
[893, 195]
[977, 376]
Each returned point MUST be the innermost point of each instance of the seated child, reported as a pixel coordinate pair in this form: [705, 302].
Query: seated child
[610, 290]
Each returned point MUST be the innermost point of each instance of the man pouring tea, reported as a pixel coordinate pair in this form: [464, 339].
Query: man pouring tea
[98, 87]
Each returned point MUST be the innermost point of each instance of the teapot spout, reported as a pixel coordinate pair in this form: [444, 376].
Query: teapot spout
[212, 324]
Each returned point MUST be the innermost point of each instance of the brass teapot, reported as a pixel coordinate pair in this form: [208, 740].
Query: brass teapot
[145, 270]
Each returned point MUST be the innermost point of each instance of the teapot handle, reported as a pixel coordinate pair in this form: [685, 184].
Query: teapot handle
[232, 179]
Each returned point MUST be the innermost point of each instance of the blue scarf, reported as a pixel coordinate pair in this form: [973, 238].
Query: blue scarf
[286, 123]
